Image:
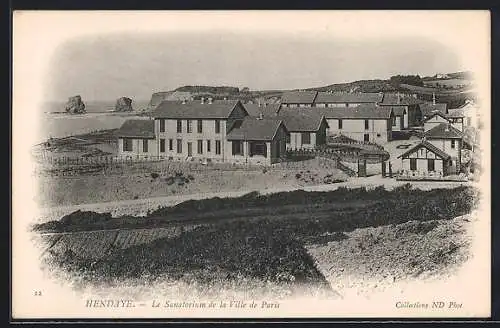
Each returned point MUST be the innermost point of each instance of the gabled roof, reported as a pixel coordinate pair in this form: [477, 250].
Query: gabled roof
[397, 110]
[298, 97]
[363, 111]
[302, 119]
[252, 128]
[218, 109]
[444, 131]
[427, 145]
[404, 100]
[268, 110]
[137, 129]
[358, 97]
[436, 113]
[427, 108]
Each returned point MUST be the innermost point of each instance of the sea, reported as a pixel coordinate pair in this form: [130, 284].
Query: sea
[56, 123]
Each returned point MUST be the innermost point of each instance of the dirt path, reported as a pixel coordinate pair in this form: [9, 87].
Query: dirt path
[140, 207]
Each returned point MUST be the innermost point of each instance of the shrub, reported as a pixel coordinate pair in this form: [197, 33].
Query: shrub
[298, 176]
[154, 175]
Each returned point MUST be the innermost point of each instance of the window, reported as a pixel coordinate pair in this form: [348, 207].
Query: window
[145, 145]
[179, 146]
[217, 126]
[170, 144]
[366, 137]
[346, 104]
[453, 144]
[189, 127]
[258, 148]
[287, 138]
[208, 146]
[179, 126]
[127, 144]
[200, 146]
[393, 121]
[430, 165]
[162, 145]
[468, 120]
[162, 125]
[340, 124]
[367, 126]
[306, 138]
[200, 126]
[413, 164]
[237, 147]
[217, 147]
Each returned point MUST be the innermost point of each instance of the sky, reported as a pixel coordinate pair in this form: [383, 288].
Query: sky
[115, 55]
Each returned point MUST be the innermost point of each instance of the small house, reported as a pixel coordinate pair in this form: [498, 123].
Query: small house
[425, 160]
[257, 140]
[450, 140]
[136, 138]
[434, 119]
[307, 128]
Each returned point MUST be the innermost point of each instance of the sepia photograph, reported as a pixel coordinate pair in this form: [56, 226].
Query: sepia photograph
[251, 164]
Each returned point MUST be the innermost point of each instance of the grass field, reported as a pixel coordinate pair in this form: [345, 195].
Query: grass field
[147, 180]
[250, 238]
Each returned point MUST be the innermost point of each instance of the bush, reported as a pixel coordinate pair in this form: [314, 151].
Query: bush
[298, 176]
[154, 175]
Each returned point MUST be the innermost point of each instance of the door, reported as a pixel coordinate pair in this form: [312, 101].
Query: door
[190, 149]
[366, 137]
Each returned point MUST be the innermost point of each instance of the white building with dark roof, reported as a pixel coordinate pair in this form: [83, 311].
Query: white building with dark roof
[219, 131]
[136, 138]
[450, 140]
[367, 122]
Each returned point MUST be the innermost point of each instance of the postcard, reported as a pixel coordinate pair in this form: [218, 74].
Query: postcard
[251, 164]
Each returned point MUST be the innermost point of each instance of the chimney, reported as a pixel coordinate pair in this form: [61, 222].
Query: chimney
[433, 98]
[259, 102]
[415, 96]
[210, 100]
[202, 100]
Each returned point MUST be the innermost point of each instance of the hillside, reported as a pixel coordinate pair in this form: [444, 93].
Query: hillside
[455, 96]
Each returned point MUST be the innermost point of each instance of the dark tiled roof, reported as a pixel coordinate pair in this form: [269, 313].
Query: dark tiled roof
[301, 119]
[444, 131]
[429, 146]
[436, 113]
[219, 109]
[397, 110]
[404, 100]
[427, 108]
[252, 128]
[358, 97]
[364, 111]
[298, 97]
[268, 110]
[137, 128]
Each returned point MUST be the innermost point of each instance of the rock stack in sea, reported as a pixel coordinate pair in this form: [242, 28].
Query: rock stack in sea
[75, 105]
[123, 104]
